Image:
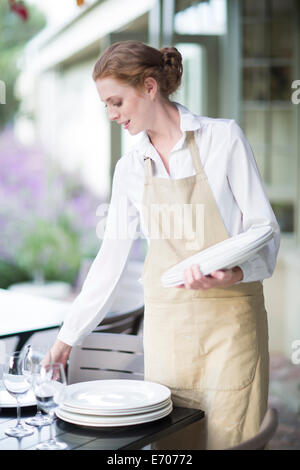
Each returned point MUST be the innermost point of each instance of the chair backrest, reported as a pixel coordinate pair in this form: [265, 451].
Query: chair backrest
[267, 430]
[127, 323]
[107, 356]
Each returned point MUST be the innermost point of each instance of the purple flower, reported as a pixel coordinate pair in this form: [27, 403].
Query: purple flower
[33, 189]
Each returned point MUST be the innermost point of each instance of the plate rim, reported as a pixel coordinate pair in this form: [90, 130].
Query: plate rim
[68, 400]
[109, 425]
[120, 412]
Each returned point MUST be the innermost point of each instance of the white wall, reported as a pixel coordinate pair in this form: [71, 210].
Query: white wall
[73, 126]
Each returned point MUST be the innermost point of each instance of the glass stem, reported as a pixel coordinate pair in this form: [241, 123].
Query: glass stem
[52, 439]
[18, 412]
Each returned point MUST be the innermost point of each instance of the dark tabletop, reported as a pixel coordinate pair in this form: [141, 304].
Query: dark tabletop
[84, 438]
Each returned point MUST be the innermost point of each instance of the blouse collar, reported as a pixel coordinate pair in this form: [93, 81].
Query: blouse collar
[188, 122]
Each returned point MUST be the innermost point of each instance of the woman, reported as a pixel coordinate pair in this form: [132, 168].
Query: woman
[207, 339]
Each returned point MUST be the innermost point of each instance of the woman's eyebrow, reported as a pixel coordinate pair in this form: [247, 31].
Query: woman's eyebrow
[109, 99]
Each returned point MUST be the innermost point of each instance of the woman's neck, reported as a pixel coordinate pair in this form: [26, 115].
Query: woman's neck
[165, 131]
[165, 125]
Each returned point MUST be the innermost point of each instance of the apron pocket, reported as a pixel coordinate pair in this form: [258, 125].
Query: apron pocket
[205, 344]
[232, 348]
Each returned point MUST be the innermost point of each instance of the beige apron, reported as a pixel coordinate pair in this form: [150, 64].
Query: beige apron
[209, 347]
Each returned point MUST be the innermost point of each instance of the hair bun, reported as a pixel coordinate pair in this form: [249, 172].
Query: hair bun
[172, 69]
[171, 57]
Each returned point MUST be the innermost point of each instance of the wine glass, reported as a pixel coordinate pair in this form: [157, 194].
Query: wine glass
[33, 357]
[17, 386]
[49, 385]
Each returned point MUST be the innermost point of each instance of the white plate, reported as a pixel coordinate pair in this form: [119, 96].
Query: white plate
[7, 401]
[223, 255]
[115, 394]
[252, 239]
[133, 411]
[97, 421]
[226, 262]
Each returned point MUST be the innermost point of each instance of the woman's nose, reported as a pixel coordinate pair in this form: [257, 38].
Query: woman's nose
[113, 114]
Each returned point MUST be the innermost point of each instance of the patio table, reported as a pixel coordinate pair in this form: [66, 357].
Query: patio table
[24, 314]
[84, 438]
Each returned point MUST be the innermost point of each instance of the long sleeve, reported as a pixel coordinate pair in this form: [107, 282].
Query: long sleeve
[248, 190]
[99, 288]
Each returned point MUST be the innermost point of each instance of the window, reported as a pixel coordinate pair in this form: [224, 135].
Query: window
[268, 115]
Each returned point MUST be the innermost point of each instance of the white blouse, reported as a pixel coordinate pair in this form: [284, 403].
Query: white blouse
[236, 184]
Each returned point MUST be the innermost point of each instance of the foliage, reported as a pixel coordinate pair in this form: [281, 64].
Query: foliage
[47, 217]
[11, 273]
[51, 250]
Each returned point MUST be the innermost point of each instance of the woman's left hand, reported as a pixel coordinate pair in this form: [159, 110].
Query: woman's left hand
[193, 279]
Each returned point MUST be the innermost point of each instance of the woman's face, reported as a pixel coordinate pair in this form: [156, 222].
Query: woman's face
[127, 106]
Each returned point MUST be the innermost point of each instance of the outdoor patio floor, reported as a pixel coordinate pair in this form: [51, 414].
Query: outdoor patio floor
[284, 395]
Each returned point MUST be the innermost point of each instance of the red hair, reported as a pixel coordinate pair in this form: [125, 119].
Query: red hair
[131, 62]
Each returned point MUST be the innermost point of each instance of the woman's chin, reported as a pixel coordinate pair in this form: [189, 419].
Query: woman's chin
[133, 132]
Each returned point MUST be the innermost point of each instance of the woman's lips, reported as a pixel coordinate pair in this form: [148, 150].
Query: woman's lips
[126, 124]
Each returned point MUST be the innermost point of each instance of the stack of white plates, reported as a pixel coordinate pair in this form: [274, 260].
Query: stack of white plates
[224, 255]
[106, 403]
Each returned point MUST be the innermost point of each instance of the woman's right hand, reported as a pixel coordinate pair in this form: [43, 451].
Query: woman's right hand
[60, 352]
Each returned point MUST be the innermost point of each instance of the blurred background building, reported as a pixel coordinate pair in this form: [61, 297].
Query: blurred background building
[240, 60]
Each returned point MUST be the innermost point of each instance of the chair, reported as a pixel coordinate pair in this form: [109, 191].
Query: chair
[107, 356]
[127, 322]
[265, 434]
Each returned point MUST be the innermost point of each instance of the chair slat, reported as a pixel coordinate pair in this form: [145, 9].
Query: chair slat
[114, 341]
[110, 360]
[86, 375]
[113, 318]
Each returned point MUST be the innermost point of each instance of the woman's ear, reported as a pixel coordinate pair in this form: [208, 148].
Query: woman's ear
[151, 87]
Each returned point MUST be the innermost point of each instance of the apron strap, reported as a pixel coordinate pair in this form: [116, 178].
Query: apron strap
[194, 150]
[148, 169]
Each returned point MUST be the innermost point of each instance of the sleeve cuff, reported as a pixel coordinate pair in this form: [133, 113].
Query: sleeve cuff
[254, 269]
[246, 267]
[69, 337]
